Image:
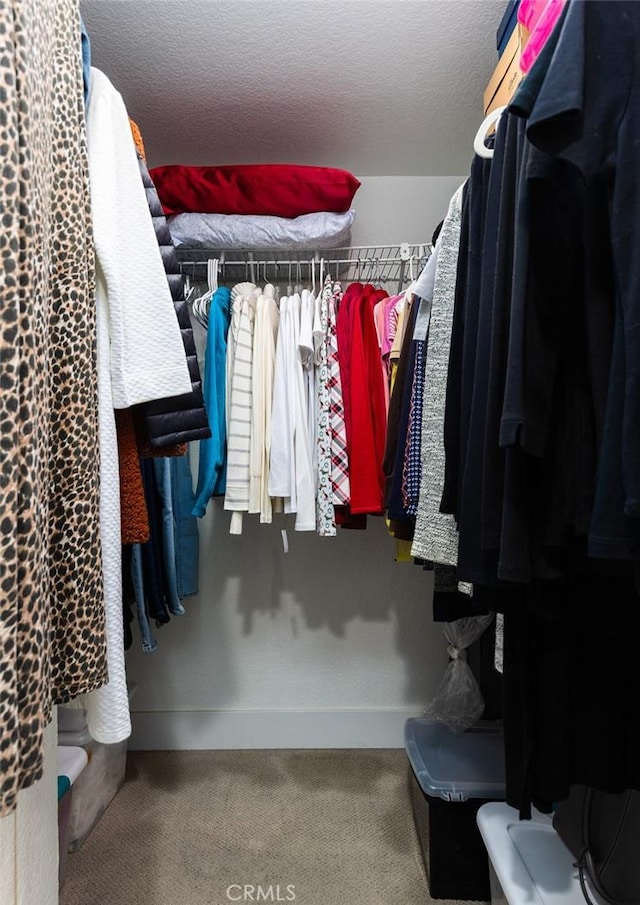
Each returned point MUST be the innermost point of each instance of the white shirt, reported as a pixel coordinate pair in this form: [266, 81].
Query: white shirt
[264, 360]
[244, 299]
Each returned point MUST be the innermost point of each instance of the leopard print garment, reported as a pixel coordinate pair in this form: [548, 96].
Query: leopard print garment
[52, 637]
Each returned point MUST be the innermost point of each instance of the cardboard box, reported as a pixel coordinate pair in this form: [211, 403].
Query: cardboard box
[507, 75]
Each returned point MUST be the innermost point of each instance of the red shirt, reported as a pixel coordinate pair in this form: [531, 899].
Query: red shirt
[363, 388]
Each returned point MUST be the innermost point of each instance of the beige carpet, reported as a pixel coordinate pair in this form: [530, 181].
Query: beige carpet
[188, 825]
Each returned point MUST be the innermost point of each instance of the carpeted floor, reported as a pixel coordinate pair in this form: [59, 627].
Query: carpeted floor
[188, 825]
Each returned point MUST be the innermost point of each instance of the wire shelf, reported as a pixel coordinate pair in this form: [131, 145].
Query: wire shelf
[381, 264]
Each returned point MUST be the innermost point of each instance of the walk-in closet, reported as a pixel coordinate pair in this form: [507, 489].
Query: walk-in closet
[319, 514]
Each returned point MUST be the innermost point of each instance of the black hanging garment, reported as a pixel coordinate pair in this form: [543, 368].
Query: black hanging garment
[179, 419]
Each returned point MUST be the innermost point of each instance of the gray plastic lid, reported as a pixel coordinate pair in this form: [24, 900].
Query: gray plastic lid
[456, 767]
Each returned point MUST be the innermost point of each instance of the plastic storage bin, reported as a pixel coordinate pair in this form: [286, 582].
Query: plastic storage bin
[103, 776]
[71, 763]
[529, 861]
[97, 785]
[451, 777]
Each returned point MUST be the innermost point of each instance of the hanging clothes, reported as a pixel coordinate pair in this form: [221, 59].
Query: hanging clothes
[291, 469]
[264, 361]
[436, 535]
[412, 464]
[538, 418]
[366, 410]
[186, 527]
[180, 419]
[303, 460]
[394, 460]
[325, 514]
[129, 372]
[281, 467]
[340, 484]
[212, 465]
[306, 352]
[134, 517]
[52, 631]
[240, 402]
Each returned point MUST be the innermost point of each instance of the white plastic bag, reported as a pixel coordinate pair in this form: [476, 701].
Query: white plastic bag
[458, 702]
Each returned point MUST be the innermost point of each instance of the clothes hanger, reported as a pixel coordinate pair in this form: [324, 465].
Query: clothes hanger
[479, 145]
[412, 276]
[212, 274]
[200, 306]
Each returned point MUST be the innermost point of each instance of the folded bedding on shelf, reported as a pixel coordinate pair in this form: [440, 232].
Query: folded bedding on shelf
[313, 231]
[273, 189]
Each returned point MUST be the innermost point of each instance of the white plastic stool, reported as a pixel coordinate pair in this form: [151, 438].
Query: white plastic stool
[530, 864]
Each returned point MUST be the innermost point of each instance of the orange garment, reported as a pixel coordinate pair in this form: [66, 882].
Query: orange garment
[134, 516]
[146, 451]
[137, 138]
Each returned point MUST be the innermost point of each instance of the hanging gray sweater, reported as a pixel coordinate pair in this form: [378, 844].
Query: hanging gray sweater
[436, 535]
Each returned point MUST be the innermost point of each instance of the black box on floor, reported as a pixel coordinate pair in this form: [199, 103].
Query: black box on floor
[451, 777]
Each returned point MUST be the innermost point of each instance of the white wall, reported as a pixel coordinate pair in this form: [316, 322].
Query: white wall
[329, 645]
[29, 839]
[334, 625]
[394, 209]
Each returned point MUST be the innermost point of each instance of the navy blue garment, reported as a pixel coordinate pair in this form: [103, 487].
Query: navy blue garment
[86, 59]
[187, 538]
[402, 393]
[464, 334]
[149, 643]
[482, 478]
[588, 114]
[153, 550]
[128, 596]
[449, 603]
[571, 684]
[162, 467]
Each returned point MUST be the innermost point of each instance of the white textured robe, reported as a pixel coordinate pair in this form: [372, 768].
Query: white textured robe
[140, 353]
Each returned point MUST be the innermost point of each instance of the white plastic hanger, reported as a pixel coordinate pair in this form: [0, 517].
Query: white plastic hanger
[200, 306]
[189, 288]
[414, 280]
[478, 142]
[312, 265]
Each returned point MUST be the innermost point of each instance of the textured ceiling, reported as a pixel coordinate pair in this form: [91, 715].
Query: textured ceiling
[379, 87]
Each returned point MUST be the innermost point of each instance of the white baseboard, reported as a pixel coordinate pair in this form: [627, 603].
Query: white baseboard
[224, 729]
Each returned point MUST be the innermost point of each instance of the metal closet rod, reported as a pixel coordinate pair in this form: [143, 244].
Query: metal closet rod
[388, 262]
[387, 254]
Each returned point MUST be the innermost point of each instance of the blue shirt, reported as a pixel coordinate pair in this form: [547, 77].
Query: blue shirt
[212, 469]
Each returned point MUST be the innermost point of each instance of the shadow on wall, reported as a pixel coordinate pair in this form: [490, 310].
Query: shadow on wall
[332, 582]
[333, 622]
